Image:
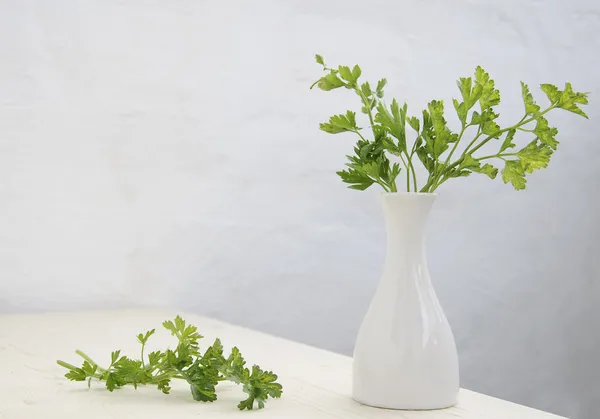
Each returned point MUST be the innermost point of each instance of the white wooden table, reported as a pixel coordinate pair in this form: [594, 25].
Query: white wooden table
[316, 383]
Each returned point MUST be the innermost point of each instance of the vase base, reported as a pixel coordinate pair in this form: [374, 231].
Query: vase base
[407, 406]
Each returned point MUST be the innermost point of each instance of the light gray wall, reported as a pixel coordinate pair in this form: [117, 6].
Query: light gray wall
[167, 153]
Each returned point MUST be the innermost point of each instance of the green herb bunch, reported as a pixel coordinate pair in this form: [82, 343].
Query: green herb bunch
[202, 371]
[434, 143]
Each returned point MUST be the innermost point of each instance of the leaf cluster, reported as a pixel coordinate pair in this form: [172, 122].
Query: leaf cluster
[380, 156]
[202, 370]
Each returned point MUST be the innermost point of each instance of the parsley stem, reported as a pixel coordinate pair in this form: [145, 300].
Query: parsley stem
[462, 131]
[519, 124]
[66, 365]
[409, 169]
[493, 156]
[407, 173]
[360, 135]
[479, 132]
[166, 376]
[367, 105]
[498, 133]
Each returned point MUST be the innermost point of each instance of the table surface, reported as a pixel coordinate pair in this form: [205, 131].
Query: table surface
[316, 383]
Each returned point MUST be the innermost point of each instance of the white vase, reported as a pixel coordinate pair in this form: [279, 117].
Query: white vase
[405, 356]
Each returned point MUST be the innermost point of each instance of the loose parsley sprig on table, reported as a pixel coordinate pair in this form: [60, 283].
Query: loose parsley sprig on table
[202, 371]
[435, 144]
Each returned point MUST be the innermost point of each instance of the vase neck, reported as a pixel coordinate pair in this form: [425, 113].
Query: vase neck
[406, 216]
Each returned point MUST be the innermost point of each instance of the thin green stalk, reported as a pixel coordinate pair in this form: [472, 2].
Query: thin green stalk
[383, 184]
[66, 365]
[462, 131]
[407, 173]
[494, 156]
[414, 174]
[460, 135]
[474, 140]
[412, 153]
[495, 135]
[435, 186]
[360, 135]
[142, 355]
[369, 110]
[167, 376]
[393, 187]
[522, 122]
[428, 185]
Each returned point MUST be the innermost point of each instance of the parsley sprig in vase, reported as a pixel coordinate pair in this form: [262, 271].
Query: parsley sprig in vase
[405, 356]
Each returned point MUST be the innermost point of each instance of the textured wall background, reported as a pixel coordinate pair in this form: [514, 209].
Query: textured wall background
[167, 153]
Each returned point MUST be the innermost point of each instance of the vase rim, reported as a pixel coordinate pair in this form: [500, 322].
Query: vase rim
[408, 194]
[407, 197]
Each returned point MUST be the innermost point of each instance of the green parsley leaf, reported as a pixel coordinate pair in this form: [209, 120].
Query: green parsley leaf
[356, 179]
[427, 161]
[414, 123]
[393, 121]
[260, 386]
[76, 374]
[471, 164]
[131, 372]
[380, 85]
[470, 94]
[144, 338]
[114, 356]
[464, 85]
[203, 382]
[330, 82]
[340, 123]
[113, 382]
[155, 358]
[468, 162]
[461, 110]
[534, 156]
[319, 59]
[545, 133]
[552, 92]
[490, 96]
[508, 140]
[439, 135]
[569, 100]
[88, 369]
[488, 170]
[530, 106]
[566, 99]
[346, 73]
[366, 89]
[486, 120]
[369, 165]
[356, 72]
[514, 173]
[164, 385]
